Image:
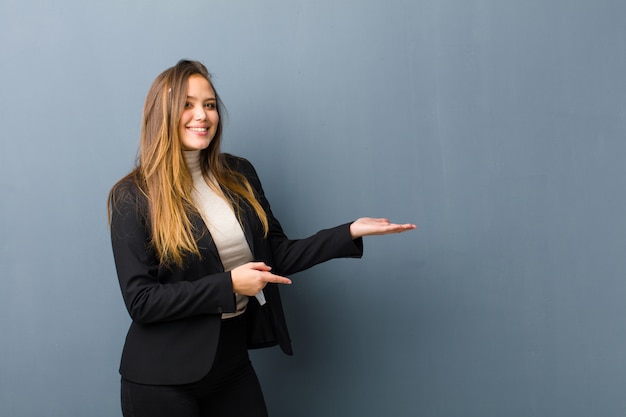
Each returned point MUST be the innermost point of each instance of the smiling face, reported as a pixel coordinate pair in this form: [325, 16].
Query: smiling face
[199, 119]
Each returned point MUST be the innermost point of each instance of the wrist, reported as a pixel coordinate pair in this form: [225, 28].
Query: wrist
[353, 231]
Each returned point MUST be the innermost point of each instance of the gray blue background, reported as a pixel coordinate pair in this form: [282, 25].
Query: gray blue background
[498, 126]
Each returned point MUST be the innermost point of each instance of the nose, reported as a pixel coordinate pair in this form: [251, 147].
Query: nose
[199, 113]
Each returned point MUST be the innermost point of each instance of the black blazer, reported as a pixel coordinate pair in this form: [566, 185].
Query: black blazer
[176, 312]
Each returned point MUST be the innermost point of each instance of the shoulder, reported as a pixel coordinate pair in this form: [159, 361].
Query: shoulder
[125, 187]
[239, 164]
[127, 193]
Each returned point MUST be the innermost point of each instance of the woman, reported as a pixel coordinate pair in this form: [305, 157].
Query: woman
[199, 257]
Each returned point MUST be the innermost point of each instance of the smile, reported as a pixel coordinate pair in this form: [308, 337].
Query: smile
[199, 129]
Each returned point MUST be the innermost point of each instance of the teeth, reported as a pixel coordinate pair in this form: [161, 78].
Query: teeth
[198, 129]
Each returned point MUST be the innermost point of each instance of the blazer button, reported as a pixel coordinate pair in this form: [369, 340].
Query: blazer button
[220, 310]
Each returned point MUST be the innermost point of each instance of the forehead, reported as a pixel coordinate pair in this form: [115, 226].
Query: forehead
[199, 87]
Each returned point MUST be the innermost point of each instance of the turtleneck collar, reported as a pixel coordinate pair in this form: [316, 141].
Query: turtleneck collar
[192, 159]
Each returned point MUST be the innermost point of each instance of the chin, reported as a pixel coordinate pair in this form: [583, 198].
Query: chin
[197, 146]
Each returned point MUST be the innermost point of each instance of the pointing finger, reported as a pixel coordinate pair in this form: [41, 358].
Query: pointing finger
[276, 279]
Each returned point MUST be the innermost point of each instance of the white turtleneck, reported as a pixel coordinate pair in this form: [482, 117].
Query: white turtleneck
[220, 219]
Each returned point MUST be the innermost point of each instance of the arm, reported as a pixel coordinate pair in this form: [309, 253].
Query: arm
[343, 241]
[154, 293]
[295, 255]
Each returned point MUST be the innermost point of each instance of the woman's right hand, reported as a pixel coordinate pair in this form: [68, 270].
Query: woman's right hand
[249, 279]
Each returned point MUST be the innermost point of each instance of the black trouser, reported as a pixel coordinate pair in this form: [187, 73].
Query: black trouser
[231, 389]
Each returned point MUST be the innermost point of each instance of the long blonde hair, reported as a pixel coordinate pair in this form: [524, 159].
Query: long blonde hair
[161, 172]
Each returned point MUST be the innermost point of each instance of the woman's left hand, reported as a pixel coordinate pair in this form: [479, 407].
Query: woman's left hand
[367, 226]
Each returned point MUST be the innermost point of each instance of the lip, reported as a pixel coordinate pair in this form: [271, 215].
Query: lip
[198, 130]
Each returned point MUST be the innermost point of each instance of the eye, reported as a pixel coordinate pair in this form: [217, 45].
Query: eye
[210, 106]
[188, 105]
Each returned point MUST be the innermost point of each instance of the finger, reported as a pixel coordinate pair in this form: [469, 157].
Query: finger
[404, 227]
[259, 266]
[396, 228]
[276, 279]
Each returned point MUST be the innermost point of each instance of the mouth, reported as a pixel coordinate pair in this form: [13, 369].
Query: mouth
[198, 129]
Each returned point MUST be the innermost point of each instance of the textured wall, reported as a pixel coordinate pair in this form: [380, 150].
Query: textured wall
[497, 126]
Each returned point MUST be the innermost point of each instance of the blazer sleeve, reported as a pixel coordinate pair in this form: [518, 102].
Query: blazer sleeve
[295, 255]
[152, 292]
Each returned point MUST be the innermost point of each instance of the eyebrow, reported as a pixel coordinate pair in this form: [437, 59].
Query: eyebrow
[195, 98]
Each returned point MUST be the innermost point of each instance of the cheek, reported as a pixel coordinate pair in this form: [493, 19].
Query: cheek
[184, 119]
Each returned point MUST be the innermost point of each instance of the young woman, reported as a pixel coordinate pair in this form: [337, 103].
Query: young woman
[199, 257]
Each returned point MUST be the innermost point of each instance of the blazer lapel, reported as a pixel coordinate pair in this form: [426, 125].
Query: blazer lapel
[205, 242]
[247, 219]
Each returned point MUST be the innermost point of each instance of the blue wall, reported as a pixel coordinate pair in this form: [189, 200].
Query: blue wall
[499, 127]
